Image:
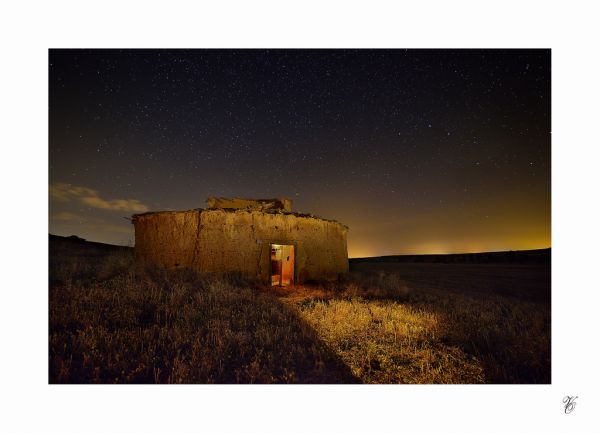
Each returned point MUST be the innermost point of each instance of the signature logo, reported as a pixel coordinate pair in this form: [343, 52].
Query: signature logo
[569, 403]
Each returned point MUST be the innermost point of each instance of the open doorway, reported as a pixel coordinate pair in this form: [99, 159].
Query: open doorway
[282, 265]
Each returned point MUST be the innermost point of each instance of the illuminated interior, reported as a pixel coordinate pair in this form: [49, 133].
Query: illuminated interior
[282, 265]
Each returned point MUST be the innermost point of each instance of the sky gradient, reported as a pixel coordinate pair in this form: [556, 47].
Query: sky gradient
[417, 151]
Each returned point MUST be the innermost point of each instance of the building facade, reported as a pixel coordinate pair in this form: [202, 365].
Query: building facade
[260, 239]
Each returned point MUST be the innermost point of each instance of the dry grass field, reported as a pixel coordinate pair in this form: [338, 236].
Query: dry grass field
[114, 321]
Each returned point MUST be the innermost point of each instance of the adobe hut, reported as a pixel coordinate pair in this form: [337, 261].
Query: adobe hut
[260, 239]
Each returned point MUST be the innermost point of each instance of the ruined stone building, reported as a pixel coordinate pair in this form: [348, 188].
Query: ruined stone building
[261, 239]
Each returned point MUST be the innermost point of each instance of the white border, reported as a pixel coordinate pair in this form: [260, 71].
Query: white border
[28, 30]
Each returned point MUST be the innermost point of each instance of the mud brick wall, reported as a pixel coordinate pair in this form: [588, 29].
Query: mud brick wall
[215, 241]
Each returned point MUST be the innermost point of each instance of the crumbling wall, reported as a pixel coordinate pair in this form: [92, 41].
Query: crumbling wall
[239, 241]
[167, 238]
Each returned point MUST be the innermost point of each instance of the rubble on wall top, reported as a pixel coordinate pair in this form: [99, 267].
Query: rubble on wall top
[284, 204]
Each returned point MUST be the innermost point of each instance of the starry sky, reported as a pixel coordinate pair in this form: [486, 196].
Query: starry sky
[417, 151]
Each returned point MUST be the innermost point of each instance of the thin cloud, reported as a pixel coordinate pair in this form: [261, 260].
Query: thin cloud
[130, 205]
[86, 222]
[65, 192]
[65, 216]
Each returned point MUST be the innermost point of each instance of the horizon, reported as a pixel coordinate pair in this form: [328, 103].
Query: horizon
[359, 257]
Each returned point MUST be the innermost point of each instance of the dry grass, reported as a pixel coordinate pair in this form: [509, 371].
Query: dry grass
[431, 336]
[387, 343]
[114, 322]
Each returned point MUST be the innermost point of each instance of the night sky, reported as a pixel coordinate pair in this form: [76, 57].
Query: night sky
[417, 151]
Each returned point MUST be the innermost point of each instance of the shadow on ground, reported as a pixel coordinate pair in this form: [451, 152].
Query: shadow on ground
[110, 322]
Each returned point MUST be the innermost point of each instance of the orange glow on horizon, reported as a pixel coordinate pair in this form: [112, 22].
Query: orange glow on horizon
[450, 248]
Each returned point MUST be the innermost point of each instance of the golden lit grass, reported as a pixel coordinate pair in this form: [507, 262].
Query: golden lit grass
[431, 336]
[385, 342]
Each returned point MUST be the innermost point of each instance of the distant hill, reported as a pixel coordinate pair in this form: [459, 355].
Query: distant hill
[524, 256]
[76, 245]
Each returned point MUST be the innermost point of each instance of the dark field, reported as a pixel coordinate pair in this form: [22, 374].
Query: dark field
[114, 321]
[522, 281]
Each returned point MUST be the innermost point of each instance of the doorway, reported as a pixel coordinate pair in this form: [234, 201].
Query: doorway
[282, 265]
